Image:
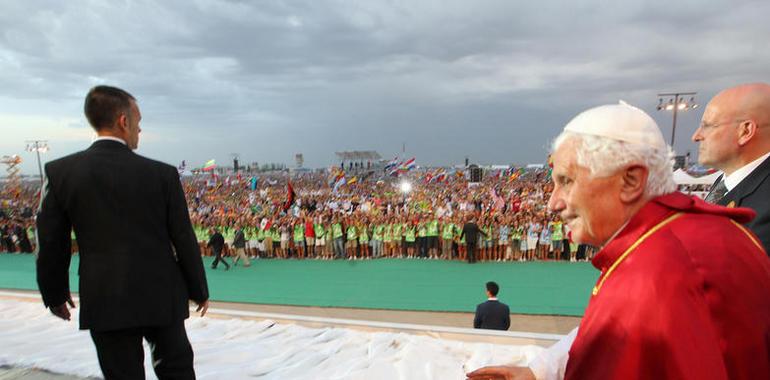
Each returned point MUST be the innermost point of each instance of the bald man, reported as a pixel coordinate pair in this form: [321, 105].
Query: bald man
[734, 137]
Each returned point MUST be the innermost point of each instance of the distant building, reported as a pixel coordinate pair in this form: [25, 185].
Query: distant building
[359, 160]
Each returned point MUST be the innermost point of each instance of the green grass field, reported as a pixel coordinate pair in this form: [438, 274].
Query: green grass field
[554, 288]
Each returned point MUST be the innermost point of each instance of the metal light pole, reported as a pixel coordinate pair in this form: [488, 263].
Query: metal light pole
[38, 146]
[676, 102]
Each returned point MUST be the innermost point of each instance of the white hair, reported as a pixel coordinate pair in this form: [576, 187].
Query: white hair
[603, 156]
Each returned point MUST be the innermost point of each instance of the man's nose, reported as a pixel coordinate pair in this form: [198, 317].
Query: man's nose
[696, 136]
[556, 203]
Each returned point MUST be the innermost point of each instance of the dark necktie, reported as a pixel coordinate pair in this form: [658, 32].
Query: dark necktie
[717, 192]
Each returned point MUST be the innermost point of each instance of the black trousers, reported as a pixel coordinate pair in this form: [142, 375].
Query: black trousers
[121, 354]
[219, 259]
[471, 248]
[422, 246]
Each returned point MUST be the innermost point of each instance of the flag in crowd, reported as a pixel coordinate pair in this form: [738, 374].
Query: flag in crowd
[515, 174]
[436, 176]
[209, 165]
[408, 165]
[392, 164]
[402, 167]
[440, 176]
[339, 182]
[290, 195]
[498, 201]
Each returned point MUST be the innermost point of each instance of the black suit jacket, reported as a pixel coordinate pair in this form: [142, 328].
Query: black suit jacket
[492, 315]
[471, 232]
[139, 260]
[216, 242]
[754, 192]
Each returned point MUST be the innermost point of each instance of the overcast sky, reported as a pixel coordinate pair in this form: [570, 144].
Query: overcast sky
[492, 80]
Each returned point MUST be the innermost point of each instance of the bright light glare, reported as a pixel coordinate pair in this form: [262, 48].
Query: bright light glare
[406, 187]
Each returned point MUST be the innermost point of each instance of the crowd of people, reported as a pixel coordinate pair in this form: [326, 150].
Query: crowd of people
[375, 218]
[17, 224]
[371, 218]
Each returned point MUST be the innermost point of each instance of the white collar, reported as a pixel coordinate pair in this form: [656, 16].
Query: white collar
[732, 180]
[113, 138]
[492, 299]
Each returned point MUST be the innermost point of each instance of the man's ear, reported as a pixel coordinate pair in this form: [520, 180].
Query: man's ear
[634, 182]
[746, 131]
[123, 122]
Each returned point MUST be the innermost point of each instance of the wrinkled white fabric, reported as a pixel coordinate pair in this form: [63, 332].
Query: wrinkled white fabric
[238, 349]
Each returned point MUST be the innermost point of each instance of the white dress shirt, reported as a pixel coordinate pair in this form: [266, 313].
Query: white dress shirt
[732, 180]
[551, 364]
[110, 138]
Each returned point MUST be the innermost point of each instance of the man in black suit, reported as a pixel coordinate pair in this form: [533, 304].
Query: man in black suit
[493, 314]
[140, 264]
[734, 137]
[471, 232]
[217, 243]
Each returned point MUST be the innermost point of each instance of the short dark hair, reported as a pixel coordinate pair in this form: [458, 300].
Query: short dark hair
[493, 288]
[104, 104]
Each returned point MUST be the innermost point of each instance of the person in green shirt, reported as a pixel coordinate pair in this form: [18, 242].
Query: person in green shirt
[32, 235]
[397, 238]
[461, 251]
[422, 241]
[387, 237]
[299, 238]
[248, 235]
[517, 236]
[204, 228]
[503, 238]
[228, 233]
[557, 237]
[447, 237]
[275, 231]
[488, 239]
[352, 239]
[338, 237]
[378, 230]
[409, 238]
[259, 234]
[363, 240]
[267, 234]
[432, 237]
[320, 238]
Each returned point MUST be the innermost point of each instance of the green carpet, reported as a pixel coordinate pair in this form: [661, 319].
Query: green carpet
[555, 288]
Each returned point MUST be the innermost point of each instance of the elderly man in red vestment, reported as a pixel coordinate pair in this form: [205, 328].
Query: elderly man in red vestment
[683, 290]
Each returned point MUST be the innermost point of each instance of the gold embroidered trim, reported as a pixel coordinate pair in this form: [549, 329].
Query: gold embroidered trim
[751, 237]
[632, 247]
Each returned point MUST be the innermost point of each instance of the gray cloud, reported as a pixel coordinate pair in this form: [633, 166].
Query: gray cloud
[493, 80]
